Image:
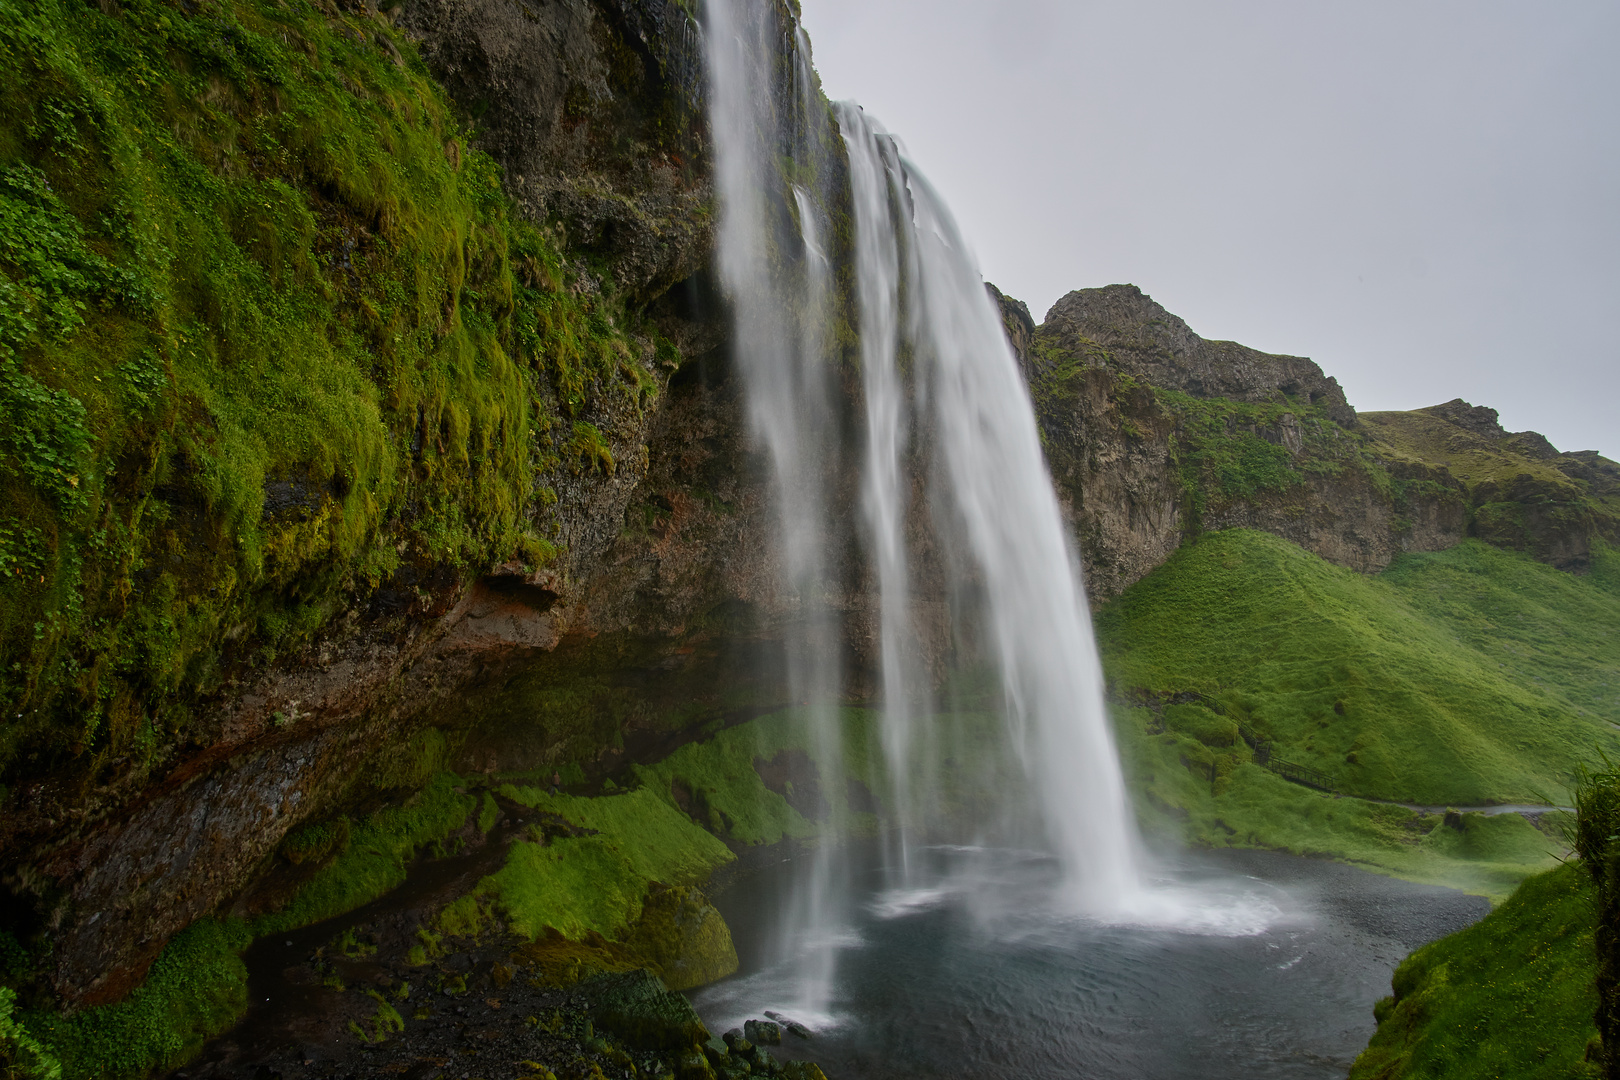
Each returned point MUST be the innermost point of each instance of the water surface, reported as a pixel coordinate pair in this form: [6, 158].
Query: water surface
[1270, 970]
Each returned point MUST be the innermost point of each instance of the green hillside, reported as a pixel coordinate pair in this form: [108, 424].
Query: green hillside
[1511, 996]
[1468, 677]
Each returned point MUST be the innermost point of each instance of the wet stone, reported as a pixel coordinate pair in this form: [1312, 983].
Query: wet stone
[789, 1025]
[763, 1032]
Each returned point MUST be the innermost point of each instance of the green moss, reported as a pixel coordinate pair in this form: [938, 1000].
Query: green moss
[1512, 995]
[20, 1053]
[268, 328]
[682, 937]
[379, 850]
[384, 1022]
[581, 884]
[488, 813]
[314, 843]
[720, 775]
[197, 987]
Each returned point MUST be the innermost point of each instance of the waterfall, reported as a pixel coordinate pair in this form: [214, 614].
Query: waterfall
[943, 405]
[777, 277]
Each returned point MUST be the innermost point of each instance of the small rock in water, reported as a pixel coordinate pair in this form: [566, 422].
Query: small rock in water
[792, 1025]
[763, 1032]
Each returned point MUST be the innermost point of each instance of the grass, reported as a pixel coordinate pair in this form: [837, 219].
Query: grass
[1511, 996]
[1419, 436]
[1468, 677]
[1247, 806]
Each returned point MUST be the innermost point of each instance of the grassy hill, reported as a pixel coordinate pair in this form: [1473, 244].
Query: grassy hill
[1466, 678]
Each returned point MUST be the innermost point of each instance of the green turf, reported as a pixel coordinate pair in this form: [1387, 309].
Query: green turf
[1510, 997]
[1247, 806]
[1468, 677]
[597, 882]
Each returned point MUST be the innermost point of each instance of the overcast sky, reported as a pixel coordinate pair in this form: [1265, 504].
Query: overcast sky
[1422, 196]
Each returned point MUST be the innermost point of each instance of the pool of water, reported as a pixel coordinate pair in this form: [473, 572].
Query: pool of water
[1253, 965]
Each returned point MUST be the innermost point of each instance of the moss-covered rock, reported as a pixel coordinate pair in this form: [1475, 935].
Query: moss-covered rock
[684, 938]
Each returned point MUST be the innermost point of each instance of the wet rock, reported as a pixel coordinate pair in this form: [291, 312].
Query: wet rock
[789, 1025]
[695, 1066]
[763, 1032]
[637, 1007]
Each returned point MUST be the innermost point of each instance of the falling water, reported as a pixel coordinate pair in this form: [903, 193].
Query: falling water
[872, 167]
[777, 276]
[944, 401]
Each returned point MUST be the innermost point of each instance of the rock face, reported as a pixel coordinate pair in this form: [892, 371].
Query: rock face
[1147, 342]
[1521, 492]
[595, 111]
[1244, 439]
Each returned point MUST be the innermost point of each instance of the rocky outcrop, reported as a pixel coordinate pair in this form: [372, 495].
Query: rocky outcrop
[1245, 440]
[595, 111]
[1521, 492]
[1146, 342]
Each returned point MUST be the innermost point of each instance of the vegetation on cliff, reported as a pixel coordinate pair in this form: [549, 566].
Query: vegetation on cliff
[1511, 996]
[1522, 493]
[1530, 991]
[270, 334]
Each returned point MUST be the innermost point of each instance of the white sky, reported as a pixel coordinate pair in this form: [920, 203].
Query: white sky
[1423, 195]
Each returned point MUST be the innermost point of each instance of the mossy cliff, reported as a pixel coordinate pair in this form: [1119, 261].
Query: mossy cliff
[307, 423]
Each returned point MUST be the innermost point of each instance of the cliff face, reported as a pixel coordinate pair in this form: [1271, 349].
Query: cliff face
[1148, 343]
[1522, 493]
[546, 488]
[1155, 435]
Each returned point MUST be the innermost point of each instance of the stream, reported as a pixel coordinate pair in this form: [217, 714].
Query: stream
[1272, 972]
